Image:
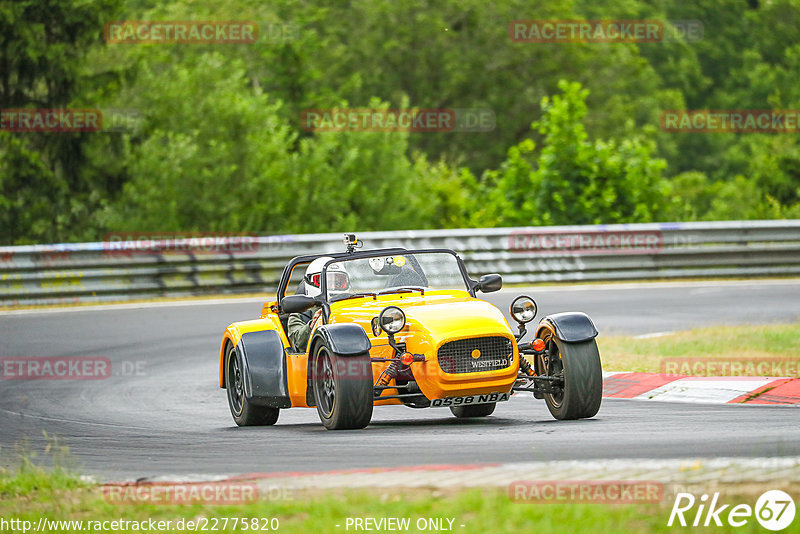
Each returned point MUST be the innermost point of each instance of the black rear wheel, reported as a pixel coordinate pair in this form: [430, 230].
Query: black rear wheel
[244, 412]
[476, 410]
[579, 364]
[342, 389]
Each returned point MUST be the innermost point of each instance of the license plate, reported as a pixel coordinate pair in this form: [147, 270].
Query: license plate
[472, 399]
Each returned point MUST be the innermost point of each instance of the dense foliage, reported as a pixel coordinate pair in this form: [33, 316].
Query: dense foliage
[208, 137]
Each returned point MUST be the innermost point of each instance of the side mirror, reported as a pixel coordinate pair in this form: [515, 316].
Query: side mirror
[489, 283]
[297, 303]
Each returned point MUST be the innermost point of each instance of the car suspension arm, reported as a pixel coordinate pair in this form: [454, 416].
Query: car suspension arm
[539, 384]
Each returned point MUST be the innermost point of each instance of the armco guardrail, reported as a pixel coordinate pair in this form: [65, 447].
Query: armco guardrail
[86, 272]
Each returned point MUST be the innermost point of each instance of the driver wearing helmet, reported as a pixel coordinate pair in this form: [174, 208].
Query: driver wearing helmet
[301, 324]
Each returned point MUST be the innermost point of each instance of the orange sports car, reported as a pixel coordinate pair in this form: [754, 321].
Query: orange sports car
[397, 326]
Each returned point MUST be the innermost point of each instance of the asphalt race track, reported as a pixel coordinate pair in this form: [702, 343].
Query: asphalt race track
[162, 413]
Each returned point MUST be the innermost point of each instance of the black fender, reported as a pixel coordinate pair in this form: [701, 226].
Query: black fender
[264, 368]
[343, 339]
[572, 327]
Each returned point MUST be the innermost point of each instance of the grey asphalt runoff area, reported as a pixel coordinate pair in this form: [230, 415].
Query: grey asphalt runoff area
[161, 411]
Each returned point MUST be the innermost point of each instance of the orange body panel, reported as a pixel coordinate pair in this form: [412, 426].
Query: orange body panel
[436, 318]
[432, 320]
[296, 377]
[268, 321]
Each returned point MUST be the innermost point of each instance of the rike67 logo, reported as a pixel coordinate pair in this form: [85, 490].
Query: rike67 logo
[774, 510]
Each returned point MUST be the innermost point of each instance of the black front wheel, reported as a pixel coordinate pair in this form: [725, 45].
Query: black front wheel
[244, 412]
[342, 389]
[579, 364]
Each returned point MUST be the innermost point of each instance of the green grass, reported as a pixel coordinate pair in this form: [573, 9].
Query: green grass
[27, 476]
[487, 511]
[29, 492]
[748, 343]
[30, 478]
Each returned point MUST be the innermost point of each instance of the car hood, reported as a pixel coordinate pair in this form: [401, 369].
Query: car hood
[431, 319]
[454, 319]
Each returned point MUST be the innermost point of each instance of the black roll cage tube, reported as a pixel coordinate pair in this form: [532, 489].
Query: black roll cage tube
[340, 256]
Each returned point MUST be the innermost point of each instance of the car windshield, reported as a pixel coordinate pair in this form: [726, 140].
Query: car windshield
[395, 273]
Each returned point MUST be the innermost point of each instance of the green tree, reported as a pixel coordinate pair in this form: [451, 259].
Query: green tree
[47, 187]
[218, 161]
[219, 145]
[574, 180]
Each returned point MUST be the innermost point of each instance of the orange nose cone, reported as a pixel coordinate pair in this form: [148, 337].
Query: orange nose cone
[407, 358]
[538, 345]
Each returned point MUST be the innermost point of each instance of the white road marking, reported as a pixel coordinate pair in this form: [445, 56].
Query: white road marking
[714, 390]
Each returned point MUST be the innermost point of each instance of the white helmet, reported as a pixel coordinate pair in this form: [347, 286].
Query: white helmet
[337, 279]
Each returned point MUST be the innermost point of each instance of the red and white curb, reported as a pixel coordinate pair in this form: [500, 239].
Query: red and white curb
[669, 471]
[695, 471]
[702, 389]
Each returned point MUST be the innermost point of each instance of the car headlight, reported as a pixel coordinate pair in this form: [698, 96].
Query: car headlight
[523, 309]
[392, 319]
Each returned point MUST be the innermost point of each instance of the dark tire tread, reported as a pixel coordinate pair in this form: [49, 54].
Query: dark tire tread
[354, 396]
[583, 381]
[251, 414]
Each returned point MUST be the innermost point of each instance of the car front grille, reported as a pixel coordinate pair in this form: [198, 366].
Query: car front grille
[477, 354]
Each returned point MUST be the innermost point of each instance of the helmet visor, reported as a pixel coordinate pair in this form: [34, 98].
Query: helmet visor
[337, 280]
